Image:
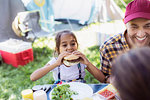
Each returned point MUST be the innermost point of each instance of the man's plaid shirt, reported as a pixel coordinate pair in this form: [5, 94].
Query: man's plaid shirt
[110, 49]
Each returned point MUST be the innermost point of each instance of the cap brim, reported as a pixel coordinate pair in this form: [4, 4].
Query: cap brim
[137, 15]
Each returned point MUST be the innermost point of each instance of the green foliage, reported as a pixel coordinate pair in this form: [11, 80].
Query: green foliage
[14, 80]
[119, 3]
[93, 55]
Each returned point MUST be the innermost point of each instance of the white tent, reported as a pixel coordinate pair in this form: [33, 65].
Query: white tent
[79, 10]
[87, 10]
[108, 10]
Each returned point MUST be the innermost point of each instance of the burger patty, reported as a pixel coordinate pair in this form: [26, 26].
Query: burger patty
[75, 60]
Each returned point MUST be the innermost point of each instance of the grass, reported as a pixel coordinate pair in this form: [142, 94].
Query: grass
[14, 80]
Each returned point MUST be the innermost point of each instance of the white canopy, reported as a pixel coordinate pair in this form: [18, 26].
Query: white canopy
[87, 10]
[108, 10]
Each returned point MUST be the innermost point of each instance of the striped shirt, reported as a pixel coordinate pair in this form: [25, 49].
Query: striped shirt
[110, 49]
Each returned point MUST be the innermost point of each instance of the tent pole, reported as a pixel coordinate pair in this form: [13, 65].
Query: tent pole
[70, 24]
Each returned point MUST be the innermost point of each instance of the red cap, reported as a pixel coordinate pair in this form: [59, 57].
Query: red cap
[137, 9]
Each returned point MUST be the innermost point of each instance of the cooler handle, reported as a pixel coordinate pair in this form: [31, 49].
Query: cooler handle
[24, 57]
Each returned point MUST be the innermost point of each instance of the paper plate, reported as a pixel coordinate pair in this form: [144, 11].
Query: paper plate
[82, 89]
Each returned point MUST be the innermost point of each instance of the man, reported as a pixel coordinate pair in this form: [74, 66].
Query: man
[137, 34]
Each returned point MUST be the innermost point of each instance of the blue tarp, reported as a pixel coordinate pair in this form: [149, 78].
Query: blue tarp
[46, 12]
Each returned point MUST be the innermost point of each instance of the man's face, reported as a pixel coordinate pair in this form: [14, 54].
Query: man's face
[138, 32]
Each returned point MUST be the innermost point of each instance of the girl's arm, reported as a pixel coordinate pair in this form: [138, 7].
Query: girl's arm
[90, 67]
[95, 72]
[39, 73]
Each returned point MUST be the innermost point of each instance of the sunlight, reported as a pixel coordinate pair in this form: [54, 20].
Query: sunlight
[97, 34]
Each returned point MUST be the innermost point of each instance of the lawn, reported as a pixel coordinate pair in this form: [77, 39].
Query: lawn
[14, 80]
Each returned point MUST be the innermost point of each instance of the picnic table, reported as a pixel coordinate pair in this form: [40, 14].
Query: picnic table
[49, 87]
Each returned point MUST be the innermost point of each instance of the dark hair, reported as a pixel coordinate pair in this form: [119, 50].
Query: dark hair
[131, 74]
[58, 37]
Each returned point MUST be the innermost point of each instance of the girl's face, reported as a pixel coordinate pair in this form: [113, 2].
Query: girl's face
[67, 43]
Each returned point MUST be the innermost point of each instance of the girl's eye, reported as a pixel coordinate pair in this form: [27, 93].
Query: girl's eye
[72, 44]
[64, 45]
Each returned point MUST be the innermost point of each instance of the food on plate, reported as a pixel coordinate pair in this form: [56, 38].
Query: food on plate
[71, 60]
[62, 92]
[78, 90]
[108, 92]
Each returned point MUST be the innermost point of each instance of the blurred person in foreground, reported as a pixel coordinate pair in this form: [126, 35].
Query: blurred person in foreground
[131, 74]
[137, 34]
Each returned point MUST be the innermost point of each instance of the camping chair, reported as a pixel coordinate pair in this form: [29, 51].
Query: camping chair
[26, 24]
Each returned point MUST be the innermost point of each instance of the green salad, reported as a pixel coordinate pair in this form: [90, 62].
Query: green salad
[63, 92]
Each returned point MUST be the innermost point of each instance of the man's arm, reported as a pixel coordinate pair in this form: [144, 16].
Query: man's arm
[105, 66]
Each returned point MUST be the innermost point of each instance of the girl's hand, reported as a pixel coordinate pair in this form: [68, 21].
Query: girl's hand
[83, 60]
[61, 56]
[90, 67]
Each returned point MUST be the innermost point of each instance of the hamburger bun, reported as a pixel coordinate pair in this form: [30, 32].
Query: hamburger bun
[71, 57]
[71, 60]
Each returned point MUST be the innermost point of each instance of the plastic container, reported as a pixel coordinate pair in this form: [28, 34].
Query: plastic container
[16, 52]
[16, 59]
[27, 94]
[15, 46]
[39, 95]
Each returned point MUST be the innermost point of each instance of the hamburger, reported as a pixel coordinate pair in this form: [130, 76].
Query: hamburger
[71, 60]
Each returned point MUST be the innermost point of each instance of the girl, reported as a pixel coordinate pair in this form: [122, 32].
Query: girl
[66, 44]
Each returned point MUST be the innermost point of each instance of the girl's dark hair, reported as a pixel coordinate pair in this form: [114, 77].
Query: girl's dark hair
[58, 37]
[131, 74]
